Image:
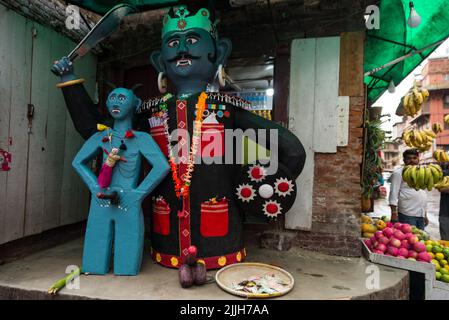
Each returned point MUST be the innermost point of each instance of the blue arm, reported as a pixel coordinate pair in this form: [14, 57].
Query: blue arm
[151, 151]
[88, 151]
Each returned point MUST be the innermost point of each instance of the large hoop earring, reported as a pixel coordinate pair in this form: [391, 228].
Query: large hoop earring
[161, 82]
[221, 74]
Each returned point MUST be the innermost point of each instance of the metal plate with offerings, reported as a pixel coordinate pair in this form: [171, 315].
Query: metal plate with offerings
[254, 280]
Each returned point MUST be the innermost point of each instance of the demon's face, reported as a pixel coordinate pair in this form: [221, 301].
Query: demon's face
[191, 54]
[121, 103]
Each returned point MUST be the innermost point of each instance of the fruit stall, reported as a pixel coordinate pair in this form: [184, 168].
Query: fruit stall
[403, 246]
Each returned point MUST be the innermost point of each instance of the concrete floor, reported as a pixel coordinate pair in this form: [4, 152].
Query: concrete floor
[317, 276]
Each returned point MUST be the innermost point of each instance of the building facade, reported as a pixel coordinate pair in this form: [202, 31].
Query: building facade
[391, 157]
[436, 80]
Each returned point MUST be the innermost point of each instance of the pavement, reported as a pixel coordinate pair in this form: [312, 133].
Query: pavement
[317, 276]
[381, 208]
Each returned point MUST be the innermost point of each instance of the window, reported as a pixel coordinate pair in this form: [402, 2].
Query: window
[446, 101]
[444, 147]
[446, 77]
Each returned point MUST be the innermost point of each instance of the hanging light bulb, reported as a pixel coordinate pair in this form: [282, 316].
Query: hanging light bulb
[391, 87]
[270, 92]
[414, 19]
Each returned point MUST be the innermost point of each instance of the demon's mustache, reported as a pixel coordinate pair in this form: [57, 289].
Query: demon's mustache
[183, 56]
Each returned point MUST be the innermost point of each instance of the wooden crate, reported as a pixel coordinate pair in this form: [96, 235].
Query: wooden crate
[440, 291]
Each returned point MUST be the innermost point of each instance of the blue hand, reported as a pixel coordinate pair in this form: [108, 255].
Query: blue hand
[95, 189]
[64, 69]
[128, 198]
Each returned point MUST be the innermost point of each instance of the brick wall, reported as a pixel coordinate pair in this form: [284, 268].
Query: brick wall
[440, 65]
[336, 194]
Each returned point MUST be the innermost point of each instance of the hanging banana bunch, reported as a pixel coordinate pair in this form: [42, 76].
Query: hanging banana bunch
[443, 184]
[423, 176]
[441, 156]
[419, 139]
[446, 119]
[414, 99]
[437, 128]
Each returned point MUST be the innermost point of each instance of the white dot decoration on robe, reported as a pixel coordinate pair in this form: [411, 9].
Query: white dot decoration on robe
[272, 208]
[245, 192]
[266, 191]
[256, 173]
[283, 187]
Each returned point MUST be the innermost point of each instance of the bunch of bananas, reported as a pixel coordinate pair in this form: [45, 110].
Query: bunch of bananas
[419, 139]
[443, 184]
[441, 156]
[437, 128]
[414, 99]
[446, 118]
[422, 177]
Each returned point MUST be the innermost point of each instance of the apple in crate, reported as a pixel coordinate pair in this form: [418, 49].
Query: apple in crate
[424, 257]
[397, 225]
[393, 251]
[404, 244]
[388, 232]
[399, 235]
[406, 228]
[419, 247]
[384, 240]
[378, 234]
[368, 243]
[381, 247]
[395, 242]
[412, 239]
[412, 254]
[403, 252]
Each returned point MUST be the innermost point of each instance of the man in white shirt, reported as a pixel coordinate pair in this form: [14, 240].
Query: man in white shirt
[407, 205]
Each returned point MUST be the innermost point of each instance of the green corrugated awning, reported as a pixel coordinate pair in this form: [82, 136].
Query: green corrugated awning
[395, 39]
[103, 6]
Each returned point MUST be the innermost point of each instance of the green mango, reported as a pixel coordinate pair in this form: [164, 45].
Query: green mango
[437, 249]
[446, 252]
[445, 278]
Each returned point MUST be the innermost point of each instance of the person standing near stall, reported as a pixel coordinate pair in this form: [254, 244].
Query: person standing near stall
[407, 205]
[443, 218]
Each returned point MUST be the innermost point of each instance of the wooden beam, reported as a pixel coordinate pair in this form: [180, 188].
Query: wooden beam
[311, 3]
[351, 64]
[281, 85]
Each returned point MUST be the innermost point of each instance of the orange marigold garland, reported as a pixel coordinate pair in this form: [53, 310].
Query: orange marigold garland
[181, 189]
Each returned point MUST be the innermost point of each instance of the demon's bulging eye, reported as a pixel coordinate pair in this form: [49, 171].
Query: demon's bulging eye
[112, 97]
[173, 43]
[191, 40]
[121, 98]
